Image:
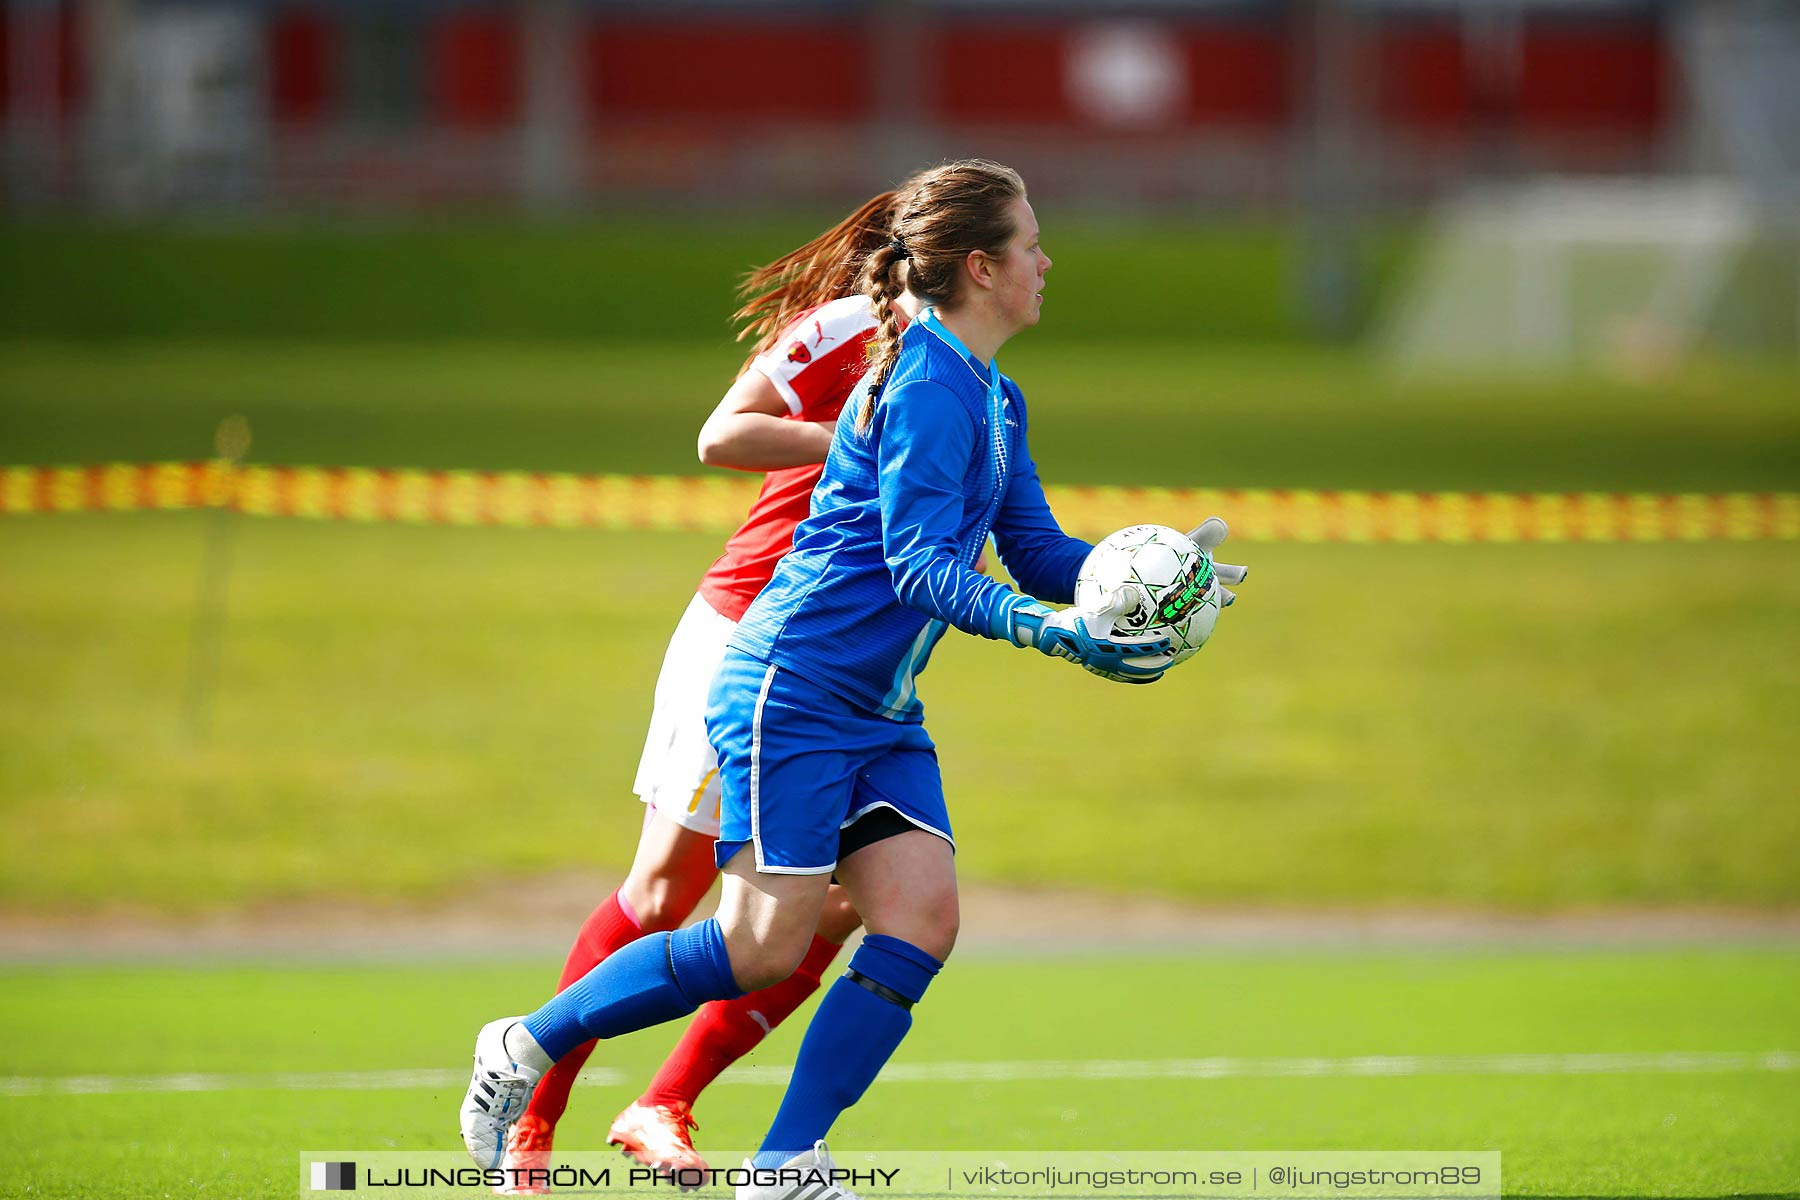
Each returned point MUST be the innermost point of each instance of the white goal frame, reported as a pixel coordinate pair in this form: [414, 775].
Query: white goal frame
[1507, 275]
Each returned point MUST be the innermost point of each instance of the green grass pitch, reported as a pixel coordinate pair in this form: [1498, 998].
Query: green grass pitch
[1500, 729]
[1727, 1131]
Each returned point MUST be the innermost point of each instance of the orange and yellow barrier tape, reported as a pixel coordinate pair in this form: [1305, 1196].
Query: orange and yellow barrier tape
[716, 503]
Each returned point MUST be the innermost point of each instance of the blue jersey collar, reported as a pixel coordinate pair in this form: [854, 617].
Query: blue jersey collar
[929, 319]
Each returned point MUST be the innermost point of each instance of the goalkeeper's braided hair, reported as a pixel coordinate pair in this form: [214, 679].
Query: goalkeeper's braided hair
[822, 270]
[940, 216]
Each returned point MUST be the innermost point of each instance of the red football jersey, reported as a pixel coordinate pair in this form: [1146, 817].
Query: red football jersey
[814, 366]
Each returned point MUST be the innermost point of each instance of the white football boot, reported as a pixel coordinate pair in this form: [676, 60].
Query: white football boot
[814, 1181]
[499, 1090]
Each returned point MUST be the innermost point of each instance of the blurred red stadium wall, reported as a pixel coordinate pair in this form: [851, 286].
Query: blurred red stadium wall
[810, 100]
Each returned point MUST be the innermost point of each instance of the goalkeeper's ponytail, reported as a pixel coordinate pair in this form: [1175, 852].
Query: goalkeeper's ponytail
[940, 217]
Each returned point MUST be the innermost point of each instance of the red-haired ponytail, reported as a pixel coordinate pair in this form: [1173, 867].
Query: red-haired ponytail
[824, 269]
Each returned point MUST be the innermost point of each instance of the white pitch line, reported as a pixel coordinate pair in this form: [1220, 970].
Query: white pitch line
[1365, 1066]
[1025, 1071]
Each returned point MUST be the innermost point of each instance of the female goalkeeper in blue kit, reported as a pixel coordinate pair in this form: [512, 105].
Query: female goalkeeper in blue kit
[825, 764]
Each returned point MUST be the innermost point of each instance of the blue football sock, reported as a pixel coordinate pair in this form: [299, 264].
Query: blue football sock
[857, 1028]
[654, 979]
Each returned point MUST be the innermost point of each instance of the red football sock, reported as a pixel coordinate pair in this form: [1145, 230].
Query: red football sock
[607, 928]
[726, 1030]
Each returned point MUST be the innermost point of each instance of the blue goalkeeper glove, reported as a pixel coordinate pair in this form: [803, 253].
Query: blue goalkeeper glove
[1086, 638]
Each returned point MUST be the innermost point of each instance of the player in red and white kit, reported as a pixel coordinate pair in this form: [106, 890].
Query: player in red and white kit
[778, 417]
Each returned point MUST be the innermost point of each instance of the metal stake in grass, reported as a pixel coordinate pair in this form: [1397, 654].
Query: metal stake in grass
[231, 441]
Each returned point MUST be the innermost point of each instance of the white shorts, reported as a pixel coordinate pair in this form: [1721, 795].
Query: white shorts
[678, 774]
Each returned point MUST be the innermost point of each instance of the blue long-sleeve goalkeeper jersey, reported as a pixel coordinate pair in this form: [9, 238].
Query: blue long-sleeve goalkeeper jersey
[885, 562]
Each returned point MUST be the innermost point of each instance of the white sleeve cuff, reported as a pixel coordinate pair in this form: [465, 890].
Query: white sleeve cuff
[767, 371]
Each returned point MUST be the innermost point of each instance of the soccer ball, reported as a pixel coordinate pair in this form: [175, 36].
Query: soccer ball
[1178, 594]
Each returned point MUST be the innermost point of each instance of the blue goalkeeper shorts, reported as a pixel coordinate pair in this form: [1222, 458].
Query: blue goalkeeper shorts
[799, 763]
